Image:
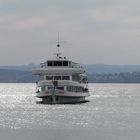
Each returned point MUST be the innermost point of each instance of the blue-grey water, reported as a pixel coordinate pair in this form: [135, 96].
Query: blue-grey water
[112, 113]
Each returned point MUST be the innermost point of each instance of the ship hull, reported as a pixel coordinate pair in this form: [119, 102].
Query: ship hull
[61, 97]
[62, 100]
[61, 91]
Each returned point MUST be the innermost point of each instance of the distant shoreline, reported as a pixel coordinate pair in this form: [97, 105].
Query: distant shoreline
[97, 73]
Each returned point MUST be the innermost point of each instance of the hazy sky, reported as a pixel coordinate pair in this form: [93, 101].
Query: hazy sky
[91, 31]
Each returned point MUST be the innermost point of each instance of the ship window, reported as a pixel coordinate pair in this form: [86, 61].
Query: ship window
[50, 88]
[50, 63]
[61, 88]
[57, 77]
[75, 78]
[46, 88]
[65, 63]
[80, 89]
[55, 63]
[43, 88]
[59, 63]
[68, 88]
[65, 78]
[49, 77]
[74, 89]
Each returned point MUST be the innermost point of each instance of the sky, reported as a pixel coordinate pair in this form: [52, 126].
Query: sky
[91, 31]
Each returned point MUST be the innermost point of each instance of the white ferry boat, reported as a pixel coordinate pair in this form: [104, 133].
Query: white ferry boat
[63, 81]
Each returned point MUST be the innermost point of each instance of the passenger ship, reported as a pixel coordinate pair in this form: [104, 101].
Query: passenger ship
[63, 81]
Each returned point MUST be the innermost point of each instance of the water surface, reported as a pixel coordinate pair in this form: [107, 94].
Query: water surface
[112, 113]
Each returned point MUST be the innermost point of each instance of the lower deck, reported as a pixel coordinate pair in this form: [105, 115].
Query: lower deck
[61, 92]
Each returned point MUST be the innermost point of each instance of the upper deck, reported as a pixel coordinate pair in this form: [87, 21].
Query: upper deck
[59, 66]
[60, 63]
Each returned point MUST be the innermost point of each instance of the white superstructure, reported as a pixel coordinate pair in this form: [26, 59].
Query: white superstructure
[63, 81]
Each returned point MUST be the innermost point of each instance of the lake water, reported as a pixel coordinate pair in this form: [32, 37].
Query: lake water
[112, 113]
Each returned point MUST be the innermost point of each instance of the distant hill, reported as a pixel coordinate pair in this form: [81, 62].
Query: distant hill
[20, 67]
[101, 68]
[16, 76]
[125, 77]
[91, 68]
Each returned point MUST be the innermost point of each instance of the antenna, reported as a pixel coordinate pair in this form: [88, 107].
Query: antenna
[58, 54]
[58, 44]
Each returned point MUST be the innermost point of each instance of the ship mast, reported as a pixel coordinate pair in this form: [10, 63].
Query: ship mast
[58, 46]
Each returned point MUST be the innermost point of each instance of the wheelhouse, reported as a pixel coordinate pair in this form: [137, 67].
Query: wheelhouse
[58, 77]
[61, 63]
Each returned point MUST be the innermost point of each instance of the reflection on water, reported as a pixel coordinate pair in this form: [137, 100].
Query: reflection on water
[111, 106]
